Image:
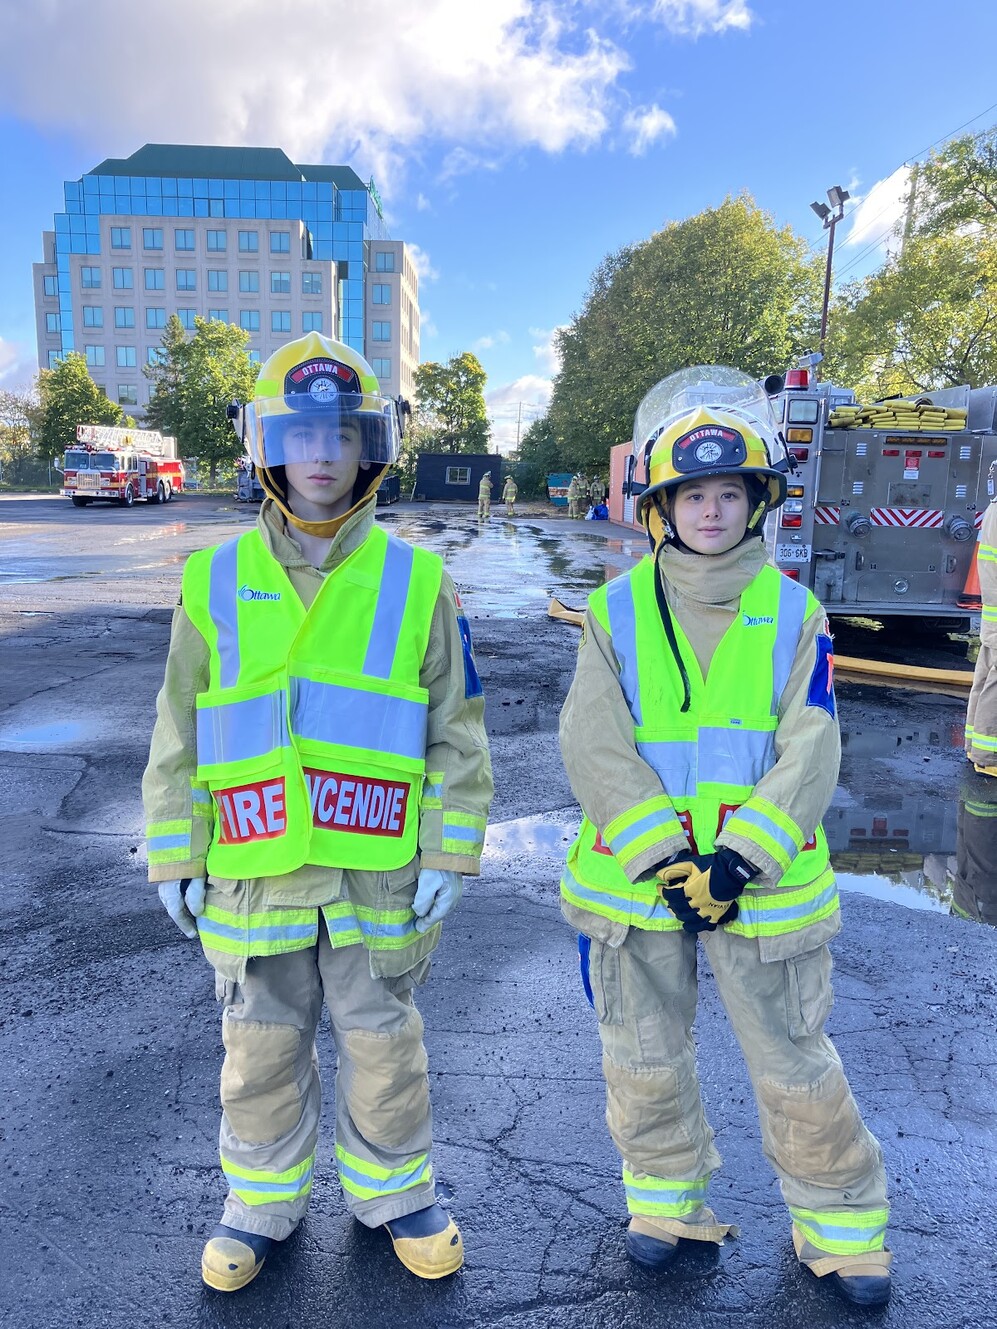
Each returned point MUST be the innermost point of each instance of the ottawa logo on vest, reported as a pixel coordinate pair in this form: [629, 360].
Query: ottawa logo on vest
[338, 802]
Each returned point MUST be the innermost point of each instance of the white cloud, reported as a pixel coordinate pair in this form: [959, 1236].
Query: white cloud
[689, 18]
[490, 339]
[544, 349]
[18, 365]
[422, 203]
[506, 74]
[422, 263]
[645, 125]
[513, 407]
[427, 328]
[875, 215]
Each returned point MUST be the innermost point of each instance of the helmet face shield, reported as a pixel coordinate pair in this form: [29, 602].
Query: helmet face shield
[359, 426]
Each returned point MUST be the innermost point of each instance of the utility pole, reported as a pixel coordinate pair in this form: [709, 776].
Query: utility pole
[519, 421]
[830, 216]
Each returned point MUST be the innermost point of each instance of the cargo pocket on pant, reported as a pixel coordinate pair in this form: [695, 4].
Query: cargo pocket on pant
[606, 982]
[259, 1090]
[809, 996]
[388, 1089]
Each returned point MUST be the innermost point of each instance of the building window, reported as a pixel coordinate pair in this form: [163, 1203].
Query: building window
[249, 282]
[384, 262]
[126, 357]
[90, 279]
[217, 242]
[183, 238]
[52, 323]
[280, 242]
[280, 320]
[155, 318]
[155, 355]
[458, 475]
[311, 283]
[152, 237]
[218, 315]
[249, 242]
[186, 317]
[280, 283]
[155, 279]
[186, 279]
[249, 320]
[127, 394]
[381, 331]
[381, 367]
[122, 279]
[54, 357]
[121, 237]
[217, 279]
[254, 357]
[124, 316]
[381, 294]
[94, 355]
[312, 322]
[93, 316]
[51, 285]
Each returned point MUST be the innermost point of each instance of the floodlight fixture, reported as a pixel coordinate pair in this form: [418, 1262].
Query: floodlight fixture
[822, 210]
[836, 196]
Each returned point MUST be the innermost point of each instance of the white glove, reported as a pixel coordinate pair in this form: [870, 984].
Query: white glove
[435, 896]
[183, 901]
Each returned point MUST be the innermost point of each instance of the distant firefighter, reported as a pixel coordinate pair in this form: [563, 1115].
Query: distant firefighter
[485, 497]
[509, 494]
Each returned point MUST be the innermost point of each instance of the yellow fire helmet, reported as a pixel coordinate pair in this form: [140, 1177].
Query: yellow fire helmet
[317, 380]
[704, 421]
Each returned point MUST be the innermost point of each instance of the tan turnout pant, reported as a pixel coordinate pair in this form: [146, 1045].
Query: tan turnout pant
[272, 1095]
[981, 713]
[645, 997]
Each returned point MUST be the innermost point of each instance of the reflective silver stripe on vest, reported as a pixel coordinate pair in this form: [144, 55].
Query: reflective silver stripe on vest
[223, 606]
[391, 597]
[793, 601]
[637, 906]
[675, 765]
[331, 713]
[238, 730]
[731, 756]
[623, 630]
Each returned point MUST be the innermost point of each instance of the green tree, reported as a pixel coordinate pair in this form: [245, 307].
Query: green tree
[540, 454]
[193, 383]
[927, 319]
[450, 411]
[723, 287]
[957, 185]
[16, 443]
[67, 397]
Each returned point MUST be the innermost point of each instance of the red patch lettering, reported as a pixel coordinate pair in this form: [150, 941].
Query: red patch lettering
[251, 812]
[686, 819]
[600, 846]
[355, 803]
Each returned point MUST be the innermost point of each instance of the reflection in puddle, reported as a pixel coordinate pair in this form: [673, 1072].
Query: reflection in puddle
[54, 734]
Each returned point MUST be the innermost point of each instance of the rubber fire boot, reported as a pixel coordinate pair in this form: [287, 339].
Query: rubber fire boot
[231, 1258]
[872, 1289]
[649, 1245]
[984, 770]
[428, 1242]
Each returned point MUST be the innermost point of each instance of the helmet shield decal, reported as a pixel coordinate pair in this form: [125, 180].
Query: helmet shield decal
[319, 382]
[710, 446]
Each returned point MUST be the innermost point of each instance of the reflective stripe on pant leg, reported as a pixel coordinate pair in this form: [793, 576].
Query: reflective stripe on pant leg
[383, 1116]
[827, 1161]
[271, 1094]
[644, 994]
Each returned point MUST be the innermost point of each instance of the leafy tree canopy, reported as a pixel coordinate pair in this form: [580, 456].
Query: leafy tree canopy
[450, 411]
[67, 397]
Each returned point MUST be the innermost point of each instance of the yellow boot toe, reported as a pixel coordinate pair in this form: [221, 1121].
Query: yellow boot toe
[228, 1264]
[434, 1256]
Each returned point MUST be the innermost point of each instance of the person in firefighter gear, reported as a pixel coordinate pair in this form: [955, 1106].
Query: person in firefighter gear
[981, 715]
[509, 495]
[485, 497]
[597, 491]
[702, 791]
[317, 786]
[575, 495]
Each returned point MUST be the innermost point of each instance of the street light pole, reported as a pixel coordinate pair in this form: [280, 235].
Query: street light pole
[830, 216]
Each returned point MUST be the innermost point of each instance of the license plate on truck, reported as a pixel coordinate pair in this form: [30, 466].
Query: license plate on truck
[792, 553]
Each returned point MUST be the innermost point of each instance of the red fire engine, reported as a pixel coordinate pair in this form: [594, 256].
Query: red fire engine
[120, 465]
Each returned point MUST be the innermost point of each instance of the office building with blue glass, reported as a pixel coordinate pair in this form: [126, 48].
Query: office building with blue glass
[243, 235]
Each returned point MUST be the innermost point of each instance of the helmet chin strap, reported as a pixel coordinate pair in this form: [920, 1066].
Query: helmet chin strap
[322, 530]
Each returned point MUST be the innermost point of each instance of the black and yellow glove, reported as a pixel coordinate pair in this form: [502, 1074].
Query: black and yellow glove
[702, 892]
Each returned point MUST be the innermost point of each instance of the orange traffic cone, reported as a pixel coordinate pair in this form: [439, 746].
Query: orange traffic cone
[971, 597]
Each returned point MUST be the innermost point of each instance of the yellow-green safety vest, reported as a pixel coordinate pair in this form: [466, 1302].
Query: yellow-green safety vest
[708, 759]
[311, 733]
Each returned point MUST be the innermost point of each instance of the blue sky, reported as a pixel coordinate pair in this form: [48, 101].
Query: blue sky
[514, 144]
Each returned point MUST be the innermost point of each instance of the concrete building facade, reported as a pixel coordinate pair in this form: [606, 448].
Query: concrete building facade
[243, 235]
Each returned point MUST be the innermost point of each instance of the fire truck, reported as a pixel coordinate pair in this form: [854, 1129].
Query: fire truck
[885, 500]
[119, 465]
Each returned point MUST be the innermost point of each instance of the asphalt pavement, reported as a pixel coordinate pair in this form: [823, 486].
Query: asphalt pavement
[109, 1034]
